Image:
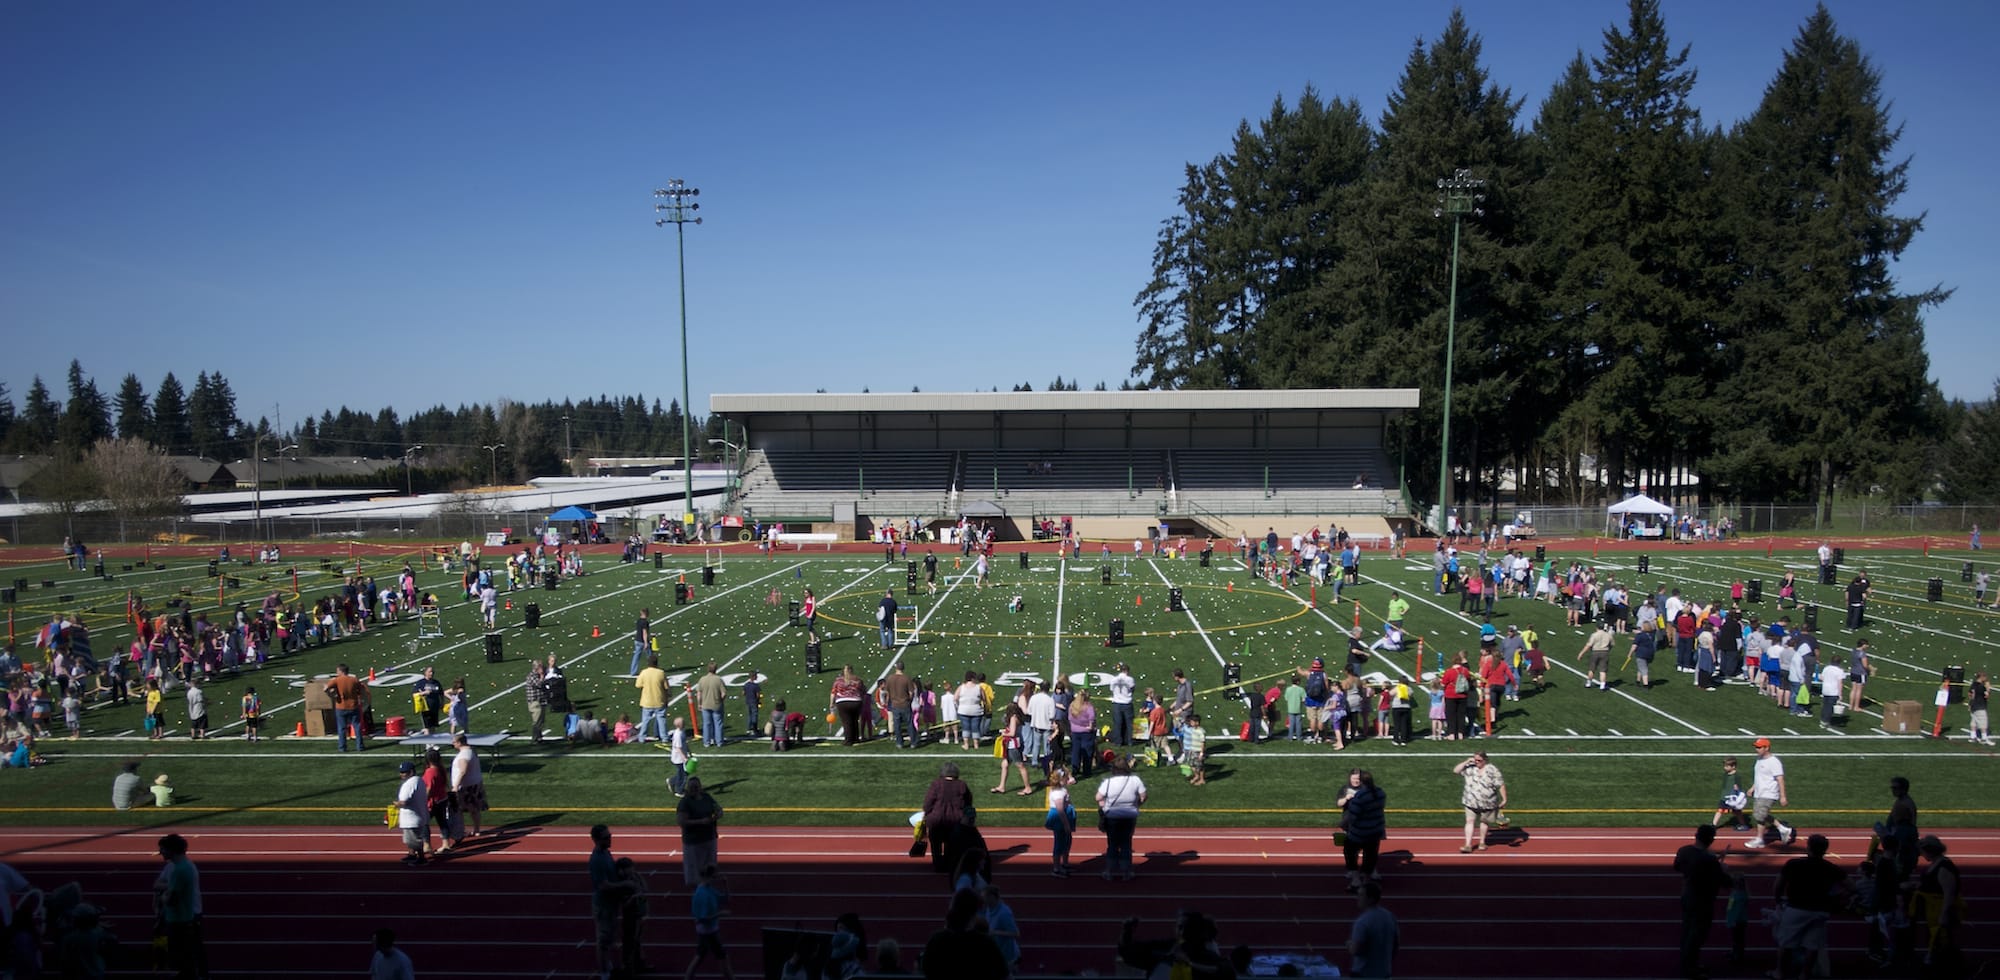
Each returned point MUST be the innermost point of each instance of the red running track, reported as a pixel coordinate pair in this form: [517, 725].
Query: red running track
[304, 901]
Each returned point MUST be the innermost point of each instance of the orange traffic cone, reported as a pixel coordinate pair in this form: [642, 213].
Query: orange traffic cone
[595, 632]
[371, 675]
[1138, 600]
[300, 731]
[682, 579]
[1229, 587]
[510, 605]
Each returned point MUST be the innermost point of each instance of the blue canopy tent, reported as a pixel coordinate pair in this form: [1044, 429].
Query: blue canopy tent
[572, 513]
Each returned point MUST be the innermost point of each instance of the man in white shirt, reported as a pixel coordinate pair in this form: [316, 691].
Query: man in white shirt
[1122, 686]
[412, 815]
[1767, 789]
[1831, 677]
[1041, 725]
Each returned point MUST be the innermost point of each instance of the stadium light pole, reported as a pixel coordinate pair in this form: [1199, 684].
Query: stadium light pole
[569, 454]
[677, 208]
[1458, 196]
[493, 457]
[409, 484]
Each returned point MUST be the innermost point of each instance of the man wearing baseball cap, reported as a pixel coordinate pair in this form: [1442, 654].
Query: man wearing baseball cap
[1317, 691]
[1767, 789]
[411, 815]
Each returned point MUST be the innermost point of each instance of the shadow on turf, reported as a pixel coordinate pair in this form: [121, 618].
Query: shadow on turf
[177, 820]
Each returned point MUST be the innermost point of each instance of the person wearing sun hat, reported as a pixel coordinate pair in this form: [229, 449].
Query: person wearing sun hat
[1767, 789]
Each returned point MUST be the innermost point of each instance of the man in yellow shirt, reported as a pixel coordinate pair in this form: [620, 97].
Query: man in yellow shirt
[652, 685]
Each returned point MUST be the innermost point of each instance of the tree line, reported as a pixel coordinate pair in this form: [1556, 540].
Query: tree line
[530, 439]
[1640, 294]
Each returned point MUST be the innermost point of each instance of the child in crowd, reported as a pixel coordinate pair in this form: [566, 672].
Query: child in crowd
[1194, 744]
[622, 731]
[458, 708]
[1434, 691]
[1156, 722]
[163, 791]
[1060, 819]
[72, 709]
[253, 714]
[1732, 800]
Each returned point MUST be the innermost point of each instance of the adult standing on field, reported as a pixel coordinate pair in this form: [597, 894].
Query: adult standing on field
[350, 698]
[709, 694]
[1858, 591]
[1767, 789]
[1484, 796]
[1122, 686]
[1858, 669]
[652, 685]
[642, 640]
[901, 693]
[537, 693]
[1598, 647]
[1458, 684]
[885, 618]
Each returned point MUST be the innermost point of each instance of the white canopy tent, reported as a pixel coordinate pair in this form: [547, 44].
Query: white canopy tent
[1638, 506]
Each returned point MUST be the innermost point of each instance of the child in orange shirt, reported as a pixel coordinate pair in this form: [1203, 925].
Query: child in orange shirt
[1156, 721]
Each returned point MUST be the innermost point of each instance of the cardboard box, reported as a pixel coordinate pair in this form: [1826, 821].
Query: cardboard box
[316, 697]
[319, 722]
[1903, 718]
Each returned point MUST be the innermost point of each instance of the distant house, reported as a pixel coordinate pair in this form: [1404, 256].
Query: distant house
[17, 470]
[203, 473]
[307, 471]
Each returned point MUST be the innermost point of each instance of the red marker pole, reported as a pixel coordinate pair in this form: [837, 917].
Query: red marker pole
[1312, 595]
[1943, 697]
[1357, 615]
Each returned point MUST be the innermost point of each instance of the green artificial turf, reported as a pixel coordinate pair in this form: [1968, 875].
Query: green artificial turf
[1572, 756]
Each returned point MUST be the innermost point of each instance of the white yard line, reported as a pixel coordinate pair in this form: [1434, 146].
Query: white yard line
[1062, 582]
[904, 646]
[1192, 618]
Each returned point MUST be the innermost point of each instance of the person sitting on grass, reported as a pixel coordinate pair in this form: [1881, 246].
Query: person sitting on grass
[163, 791]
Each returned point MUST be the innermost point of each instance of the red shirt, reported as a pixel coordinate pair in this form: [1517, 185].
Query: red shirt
[1450, 680]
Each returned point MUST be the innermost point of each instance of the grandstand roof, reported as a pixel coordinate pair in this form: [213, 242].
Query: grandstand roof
[1070, 401]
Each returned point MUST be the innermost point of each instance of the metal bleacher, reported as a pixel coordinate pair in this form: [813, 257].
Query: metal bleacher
[1013, 471]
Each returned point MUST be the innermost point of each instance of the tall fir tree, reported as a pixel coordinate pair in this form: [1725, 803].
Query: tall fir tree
[1816, 307]
[171, 431]
[40, 414]
[6, 413]
[1443, 116]
[134, 411]
[86, 415]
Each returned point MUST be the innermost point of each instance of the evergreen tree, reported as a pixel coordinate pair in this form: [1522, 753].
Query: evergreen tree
[86, 416]
[1816, 307]
[1969, 463]
[212, 421]
[135, 413]
[171, 431]
[1238, 295]
[35, 431]
[1443, 116]
[6, 412]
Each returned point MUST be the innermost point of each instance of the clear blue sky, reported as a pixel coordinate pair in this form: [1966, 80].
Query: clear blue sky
[373, 203]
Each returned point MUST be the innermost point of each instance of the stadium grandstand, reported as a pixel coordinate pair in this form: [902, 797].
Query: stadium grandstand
[1115, 462]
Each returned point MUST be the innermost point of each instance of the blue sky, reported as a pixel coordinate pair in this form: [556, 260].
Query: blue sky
[411, 204]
